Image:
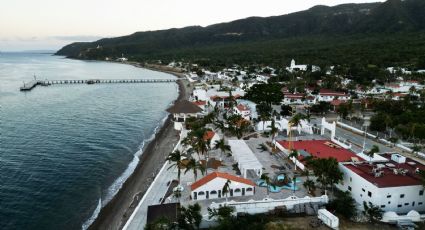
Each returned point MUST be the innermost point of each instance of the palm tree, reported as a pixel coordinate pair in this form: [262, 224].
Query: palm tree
[310, 186]
[226, 188]
[194, 165]
[295, 121]
[294, 155]
[265, 177]
[273, 130]
[177, 158]
[372, 151]
[221, 144]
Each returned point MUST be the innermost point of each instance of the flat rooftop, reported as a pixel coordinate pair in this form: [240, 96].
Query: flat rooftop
[321, 149]
[393, 174]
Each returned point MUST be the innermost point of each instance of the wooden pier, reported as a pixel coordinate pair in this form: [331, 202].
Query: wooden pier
[32, 84]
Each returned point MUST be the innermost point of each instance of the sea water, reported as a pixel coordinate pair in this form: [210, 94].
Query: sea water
[65, 150]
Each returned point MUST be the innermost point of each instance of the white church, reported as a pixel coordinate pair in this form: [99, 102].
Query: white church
[294, 67]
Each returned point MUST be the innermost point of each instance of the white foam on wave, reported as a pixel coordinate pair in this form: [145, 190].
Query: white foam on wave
[96, 212]
[117, 185]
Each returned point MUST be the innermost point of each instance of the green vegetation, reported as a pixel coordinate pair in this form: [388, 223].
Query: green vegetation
[405, 117]
[372, 212]
[356, 37]
[343, 204]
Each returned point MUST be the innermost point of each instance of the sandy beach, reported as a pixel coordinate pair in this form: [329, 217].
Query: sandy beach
[115, 214]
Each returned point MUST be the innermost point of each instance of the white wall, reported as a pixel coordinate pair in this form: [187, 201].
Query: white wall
[218, 184]
[379, 195]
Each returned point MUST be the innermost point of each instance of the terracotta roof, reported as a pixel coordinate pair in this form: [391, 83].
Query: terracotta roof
[198, 103]
[209, 135]
[294, 95]
[214, 175]
[241, 108]
[389, 178]
[337, 102]
[184, 107]
[329, 92]
[322, 149]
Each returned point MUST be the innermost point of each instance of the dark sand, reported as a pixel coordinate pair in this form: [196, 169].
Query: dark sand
[115, 214]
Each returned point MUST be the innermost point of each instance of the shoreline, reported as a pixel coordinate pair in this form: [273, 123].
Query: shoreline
[116, 212]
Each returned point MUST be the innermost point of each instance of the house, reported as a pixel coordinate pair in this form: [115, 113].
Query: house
[336, 103]
[211, 186]
[293, 67]
[293, 98]
[329, 95]
[393, 184]
[201, 104]
[243, 111]
[318, 149]
[399, 96]
[212, 137]
[182, 110]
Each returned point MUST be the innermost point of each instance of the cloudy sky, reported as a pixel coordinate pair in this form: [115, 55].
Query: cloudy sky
[50, 24]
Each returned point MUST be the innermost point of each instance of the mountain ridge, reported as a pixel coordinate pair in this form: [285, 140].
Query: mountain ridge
[392, 16]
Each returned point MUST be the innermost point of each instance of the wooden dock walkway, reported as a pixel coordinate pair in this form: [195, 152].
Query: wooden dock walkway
[32, 84]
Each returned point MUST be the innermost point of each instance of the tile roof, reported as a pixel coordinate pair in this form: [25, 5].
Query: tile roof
[209, 135]
[241, 108]
[322, 149]
[199, 103]
[184, 107]
[329, 92]
[214, 175]
[389, 178]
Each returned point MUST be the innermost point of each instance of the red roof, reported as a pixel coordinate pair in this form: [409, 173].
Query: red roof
[241, 108]
[322, 149]
[337, 102]
[293, 95]
[399, 95]
[214, 175]
[389, 178]
[329, 92]
[209, 135]
[199, 103]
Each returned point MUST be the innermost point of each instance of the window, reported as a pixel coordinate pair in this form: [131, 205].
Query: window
[388, 196]
[249, 189]
[238, 190]
[389, 202]
[421, 193]
[420, 203]
[399, 205]
[369, 193]
[401, 195]
[383, 206]
[349, 188]
[213, 192]
[363, 190]
[201, 193]
[351, 179]
[406, 204]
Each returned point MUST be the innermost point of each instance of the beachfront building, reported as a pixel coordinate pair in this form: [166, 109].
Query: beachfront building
[245, 158]
[211, 186]
[182, 110]
[243, 111]
[329, 95]
[392, 184]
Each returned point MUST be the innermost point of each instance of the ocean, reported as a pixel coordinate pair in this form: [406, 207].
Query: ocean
[65, 150]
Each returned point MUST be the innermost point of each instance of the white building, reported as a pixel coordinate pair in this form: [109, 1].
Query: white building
[243, 111]
[393, 185]
[293, 98]
[329, 95]
[295, 67]
[245, 158]
[211, 186]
